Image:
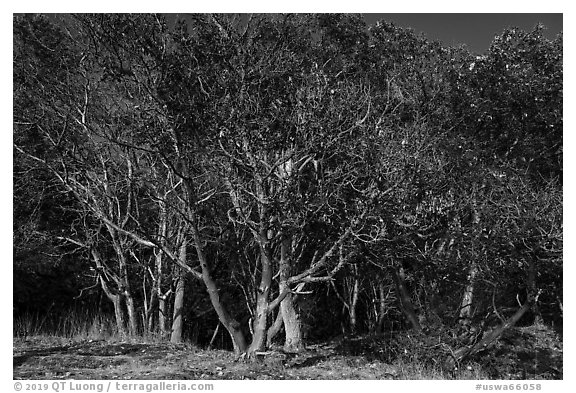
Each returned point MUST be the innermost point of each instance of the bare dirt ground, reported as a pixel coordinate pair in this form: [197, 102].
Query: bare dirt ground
[103, 360]
[521, 354]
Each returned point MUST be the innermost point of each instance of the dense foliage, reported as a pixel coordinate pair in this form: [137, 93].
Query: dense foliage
[304, 174]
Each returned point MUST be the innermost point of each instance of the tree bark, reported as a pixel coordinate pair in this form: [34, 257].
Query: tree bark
[290, 315]
[229, 323]
[260, 325]
[382, 307]
[178, 317]
[119, 314]
[354, 301]
[490, 337]
[132, 318]
[178, 310]
[113, 295]
[151, 308]
[275, 328]
[493, 335]
[160, 296]
[124, 282]
[466, 305]
[163, 313]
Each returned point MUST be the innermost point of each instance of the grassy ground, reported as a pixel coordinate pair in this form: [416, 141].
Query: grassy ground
[522, 353]
[43, 358]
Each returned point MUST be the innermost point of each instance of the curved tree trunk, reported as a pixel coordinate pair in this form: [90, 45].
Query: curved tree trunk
[229, 323]
[275, 328]
[488, 338]
[493, 335]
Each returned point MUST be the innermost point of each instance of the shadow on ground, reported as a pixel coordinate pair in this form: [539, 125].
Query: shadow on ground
[522, 353]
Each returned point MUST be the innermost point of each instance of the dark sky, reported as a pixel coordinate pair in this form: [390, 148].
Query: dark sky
[474, 30]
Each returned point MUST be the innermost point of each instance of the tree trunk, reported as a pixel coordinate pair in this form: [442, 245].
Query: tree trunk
[229, 323]
[290, 315]
[160, 296]
[488, 338]
[153, 305]
[465, 312]
[123, 281]
[492, 336]
[163, 313]
[466, 305]
[150, 308]
[292, 325]
[177, 319]
[404, 298]
[260, 325]
[113, 295]
[132, 318]
[119, 314]
[275, 328]
[354, 301]
[382, 306]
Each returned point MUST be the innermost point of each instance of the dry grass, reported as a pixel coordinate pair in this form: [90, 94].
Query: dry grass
[78, 325]
[91, 348]
[44, 357]
[75, 327]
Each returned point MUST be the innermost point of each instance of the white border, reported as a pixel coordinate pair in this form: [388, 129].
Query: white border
[364, 6]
